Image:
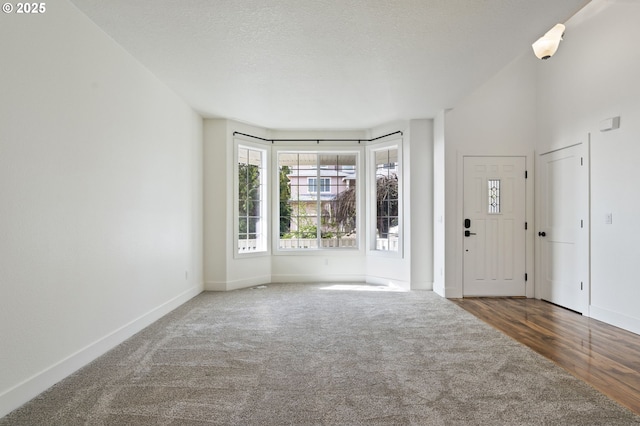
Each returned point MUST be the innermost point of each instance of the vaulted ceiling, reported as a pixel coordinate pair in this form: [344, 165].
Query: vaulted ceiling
[325, 64]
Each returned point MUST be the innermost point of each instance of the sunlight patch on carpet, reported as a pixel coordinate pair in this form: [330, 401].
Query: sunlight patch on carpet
[365, 287]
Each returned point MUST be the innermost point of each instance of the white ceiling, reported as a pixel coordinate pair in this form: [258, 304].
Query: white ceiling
[325, 64]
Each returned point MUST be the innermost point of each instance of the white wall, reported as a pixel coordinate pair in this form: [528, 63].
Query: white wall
[419, 190]
[594, 76]
[499, 118]
[215, 211]
[222, 269]
[100, 198]
[439, 192]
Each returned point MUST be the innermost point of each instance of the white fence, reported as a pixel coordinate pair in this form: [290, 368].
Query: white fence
[311, 243]
[388, 244]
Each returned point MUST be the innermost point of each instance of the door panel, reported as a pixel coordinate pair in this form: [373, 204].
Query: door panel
[563, 228]
[494, 202]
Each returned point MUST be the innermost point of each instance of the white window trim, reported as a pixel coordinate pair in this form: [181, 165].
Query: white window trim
[275, 185]
[265, 185]
[371, 203]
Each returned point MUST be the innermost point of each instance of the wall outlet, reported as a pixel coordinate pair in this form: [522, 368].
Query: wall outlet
[608, 218]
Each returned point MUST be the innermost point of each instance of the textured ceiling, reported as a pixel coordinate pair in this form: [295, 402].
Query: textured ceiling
[325, 64]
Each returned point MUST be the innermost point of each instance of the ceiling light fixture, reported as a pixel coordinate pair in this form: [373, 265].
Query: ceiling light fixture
[546, 46]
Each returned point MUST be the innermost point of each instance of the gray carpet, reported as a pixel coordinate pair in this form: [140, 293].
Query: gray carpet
[321, 355]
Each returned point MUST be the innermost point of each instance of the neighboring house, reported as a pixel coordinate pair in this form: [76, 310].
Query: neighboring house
[313, 192]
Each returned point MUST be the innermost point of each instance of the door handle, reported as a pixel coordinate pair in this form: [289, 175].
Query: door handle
[469, 233]
[542, 234]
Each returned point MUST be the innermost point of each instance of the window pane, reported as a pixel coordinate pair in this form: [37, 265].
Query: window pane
[255, 158]
[494, 196]
[251, 195]
[325, 185]
[254, 225]
[254, 190]
[386, 167]
[313, 213]
[312, 184]
[393, 208]
[243, 227]
[382, 157]
[243, 156]
[242, 208]
[328, 160]
[256, 209]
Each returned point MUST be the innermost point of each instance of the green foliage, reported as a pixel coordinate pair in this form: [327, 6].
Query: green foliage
[304, 231]
[285, 195]
[307, 232]
[249, 199]
[306, 227]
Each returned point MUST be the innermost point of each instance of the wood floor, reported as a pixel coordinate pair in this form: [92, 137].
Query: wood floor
[606, 357]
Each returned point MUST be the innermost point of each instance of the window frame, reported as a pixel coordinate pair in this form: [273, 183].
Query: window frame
[372, 149]
[356, 150]
[265, 211]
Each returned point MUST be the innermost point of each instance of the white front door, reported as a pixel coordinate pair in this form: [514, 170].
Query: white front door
[494, 226]
[563, 231]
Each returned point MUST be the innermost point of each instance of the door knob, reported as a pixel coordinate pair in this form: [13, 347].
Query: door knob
[542, 234]
[469, 233]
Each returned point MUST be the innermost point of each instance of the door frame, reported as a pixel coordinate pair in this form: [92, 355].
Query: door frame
[529, 215]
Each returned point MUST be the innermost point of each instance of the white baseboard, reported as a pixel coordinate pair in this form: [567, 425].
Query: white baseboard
[614, 318]
[38, 383]
[249, 282]
[438, 288]
[312, 278]
[215, 286]
[421, 285]
[238, 284]
[453, 292]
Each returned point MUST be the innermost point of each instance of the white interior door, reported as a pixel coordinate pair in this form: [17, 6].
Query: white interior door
[563, 232]
[494, 230]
